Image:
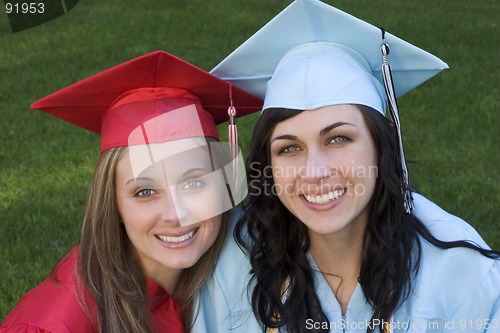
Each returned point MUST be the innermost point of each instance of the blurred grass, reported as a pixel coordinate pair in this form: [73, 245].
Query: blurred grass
[450, 124]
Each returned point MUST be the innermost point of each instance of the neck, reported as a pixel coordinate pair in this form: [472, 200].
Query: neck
[339, 258]
[168, 279]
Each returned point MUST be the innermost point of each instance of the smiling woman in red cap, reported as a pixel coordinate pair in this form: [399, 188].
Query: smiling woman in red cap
[157, 206]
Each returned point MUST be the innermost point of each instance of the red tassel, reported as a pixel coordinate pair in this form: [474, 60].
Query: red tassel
[233, 136]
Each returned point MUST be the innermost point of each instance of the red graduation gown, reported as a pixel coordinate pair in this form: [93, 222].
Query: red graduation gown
[52, 307]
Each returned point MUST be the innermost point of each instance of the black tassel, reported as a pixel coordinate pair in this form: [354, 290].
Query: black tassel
[393, 107]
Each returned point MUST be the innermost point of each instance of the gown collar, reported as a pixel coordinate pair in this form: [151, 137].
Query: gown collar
[357, 307]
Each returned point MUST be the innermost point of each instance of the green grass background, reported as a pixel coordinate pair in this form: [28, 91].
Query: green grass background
[450, 123]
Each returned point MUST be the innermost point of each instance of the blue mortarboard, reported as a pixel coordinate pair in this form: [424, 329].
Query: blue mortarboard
[253, 63]
[312, 55]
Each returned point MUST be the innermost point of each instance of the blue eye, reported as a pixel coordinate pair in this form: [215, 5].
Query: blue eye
[339, 139]
[290, 150]
[193, 184]
[144, 193]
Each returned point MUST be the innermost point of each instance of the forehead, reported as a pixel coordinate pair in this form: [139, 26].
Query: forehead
[175, 155]
[312, 121]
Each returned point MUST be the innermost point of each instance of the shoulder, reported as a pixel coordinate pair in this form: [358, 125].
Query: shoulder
[231, 251]
[224, 300]
[233, 267]
[453, 279]
[443, 225]
[52, 306]
[444, 295]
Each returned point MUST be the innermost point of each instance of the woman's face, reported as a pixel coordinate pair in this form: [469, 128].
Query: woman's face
[171, 208]
[324, 168]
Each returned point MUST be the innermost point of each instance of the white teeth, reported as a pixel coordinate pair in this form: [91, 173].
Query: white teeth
[172, 239]
[321, 199]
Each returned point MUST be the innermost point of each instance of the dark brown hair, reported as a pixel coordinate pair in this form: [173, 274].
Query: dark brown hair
[277, 242]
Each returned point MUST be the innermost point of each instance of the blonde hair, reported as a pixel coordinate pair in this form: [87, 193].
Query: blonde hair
[108, 266]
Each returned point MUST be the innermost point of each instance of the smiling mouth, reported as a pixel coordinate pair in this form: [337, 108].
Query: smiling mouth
[327, 197]
[176, 239]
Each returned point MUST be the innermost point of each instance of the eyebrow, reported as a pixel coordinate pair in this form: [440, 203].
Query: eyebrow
[329, 128]
[151, 179]
[324, 131]
[136, 179]
[284, 137]
[194, 170]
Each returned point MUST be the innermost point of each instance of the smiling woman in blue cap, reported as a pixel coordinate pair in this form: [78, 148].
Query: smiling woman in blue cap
[156, 211]
[334, 236]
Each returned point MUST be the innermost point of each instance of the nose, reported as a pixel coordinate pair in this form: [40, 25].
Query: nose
[173, 210]
[315, 169]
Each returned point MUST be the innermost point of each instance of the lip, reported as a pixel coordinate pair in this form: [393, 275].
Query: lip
[325, 190]
[323, 206]
[180, 244]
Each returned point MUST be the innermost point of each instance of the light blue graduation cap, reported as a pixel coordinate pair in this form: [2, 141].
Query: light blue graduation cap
[313, 55]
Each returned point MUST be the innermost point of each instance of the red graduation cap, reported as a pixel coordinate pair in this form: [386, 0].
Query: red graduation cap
[117, 101]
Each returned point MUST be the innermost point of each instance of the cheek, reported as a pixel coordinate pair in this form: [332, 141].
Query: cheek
[135, 216]
[364, 168]
[212, 228]
[371, 164]
[367, 172]
[125, 206]
[206, 205]
[283, 182]
[131, 223]
[285, 171]
[359, 167]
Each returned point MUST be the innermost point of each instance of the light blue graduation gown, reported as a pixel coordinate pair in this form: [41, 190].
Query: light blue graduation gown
[456, 290]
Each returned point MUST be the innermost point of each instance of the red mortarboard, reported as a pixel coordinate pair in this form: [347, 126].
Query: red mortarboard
[117, 101]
